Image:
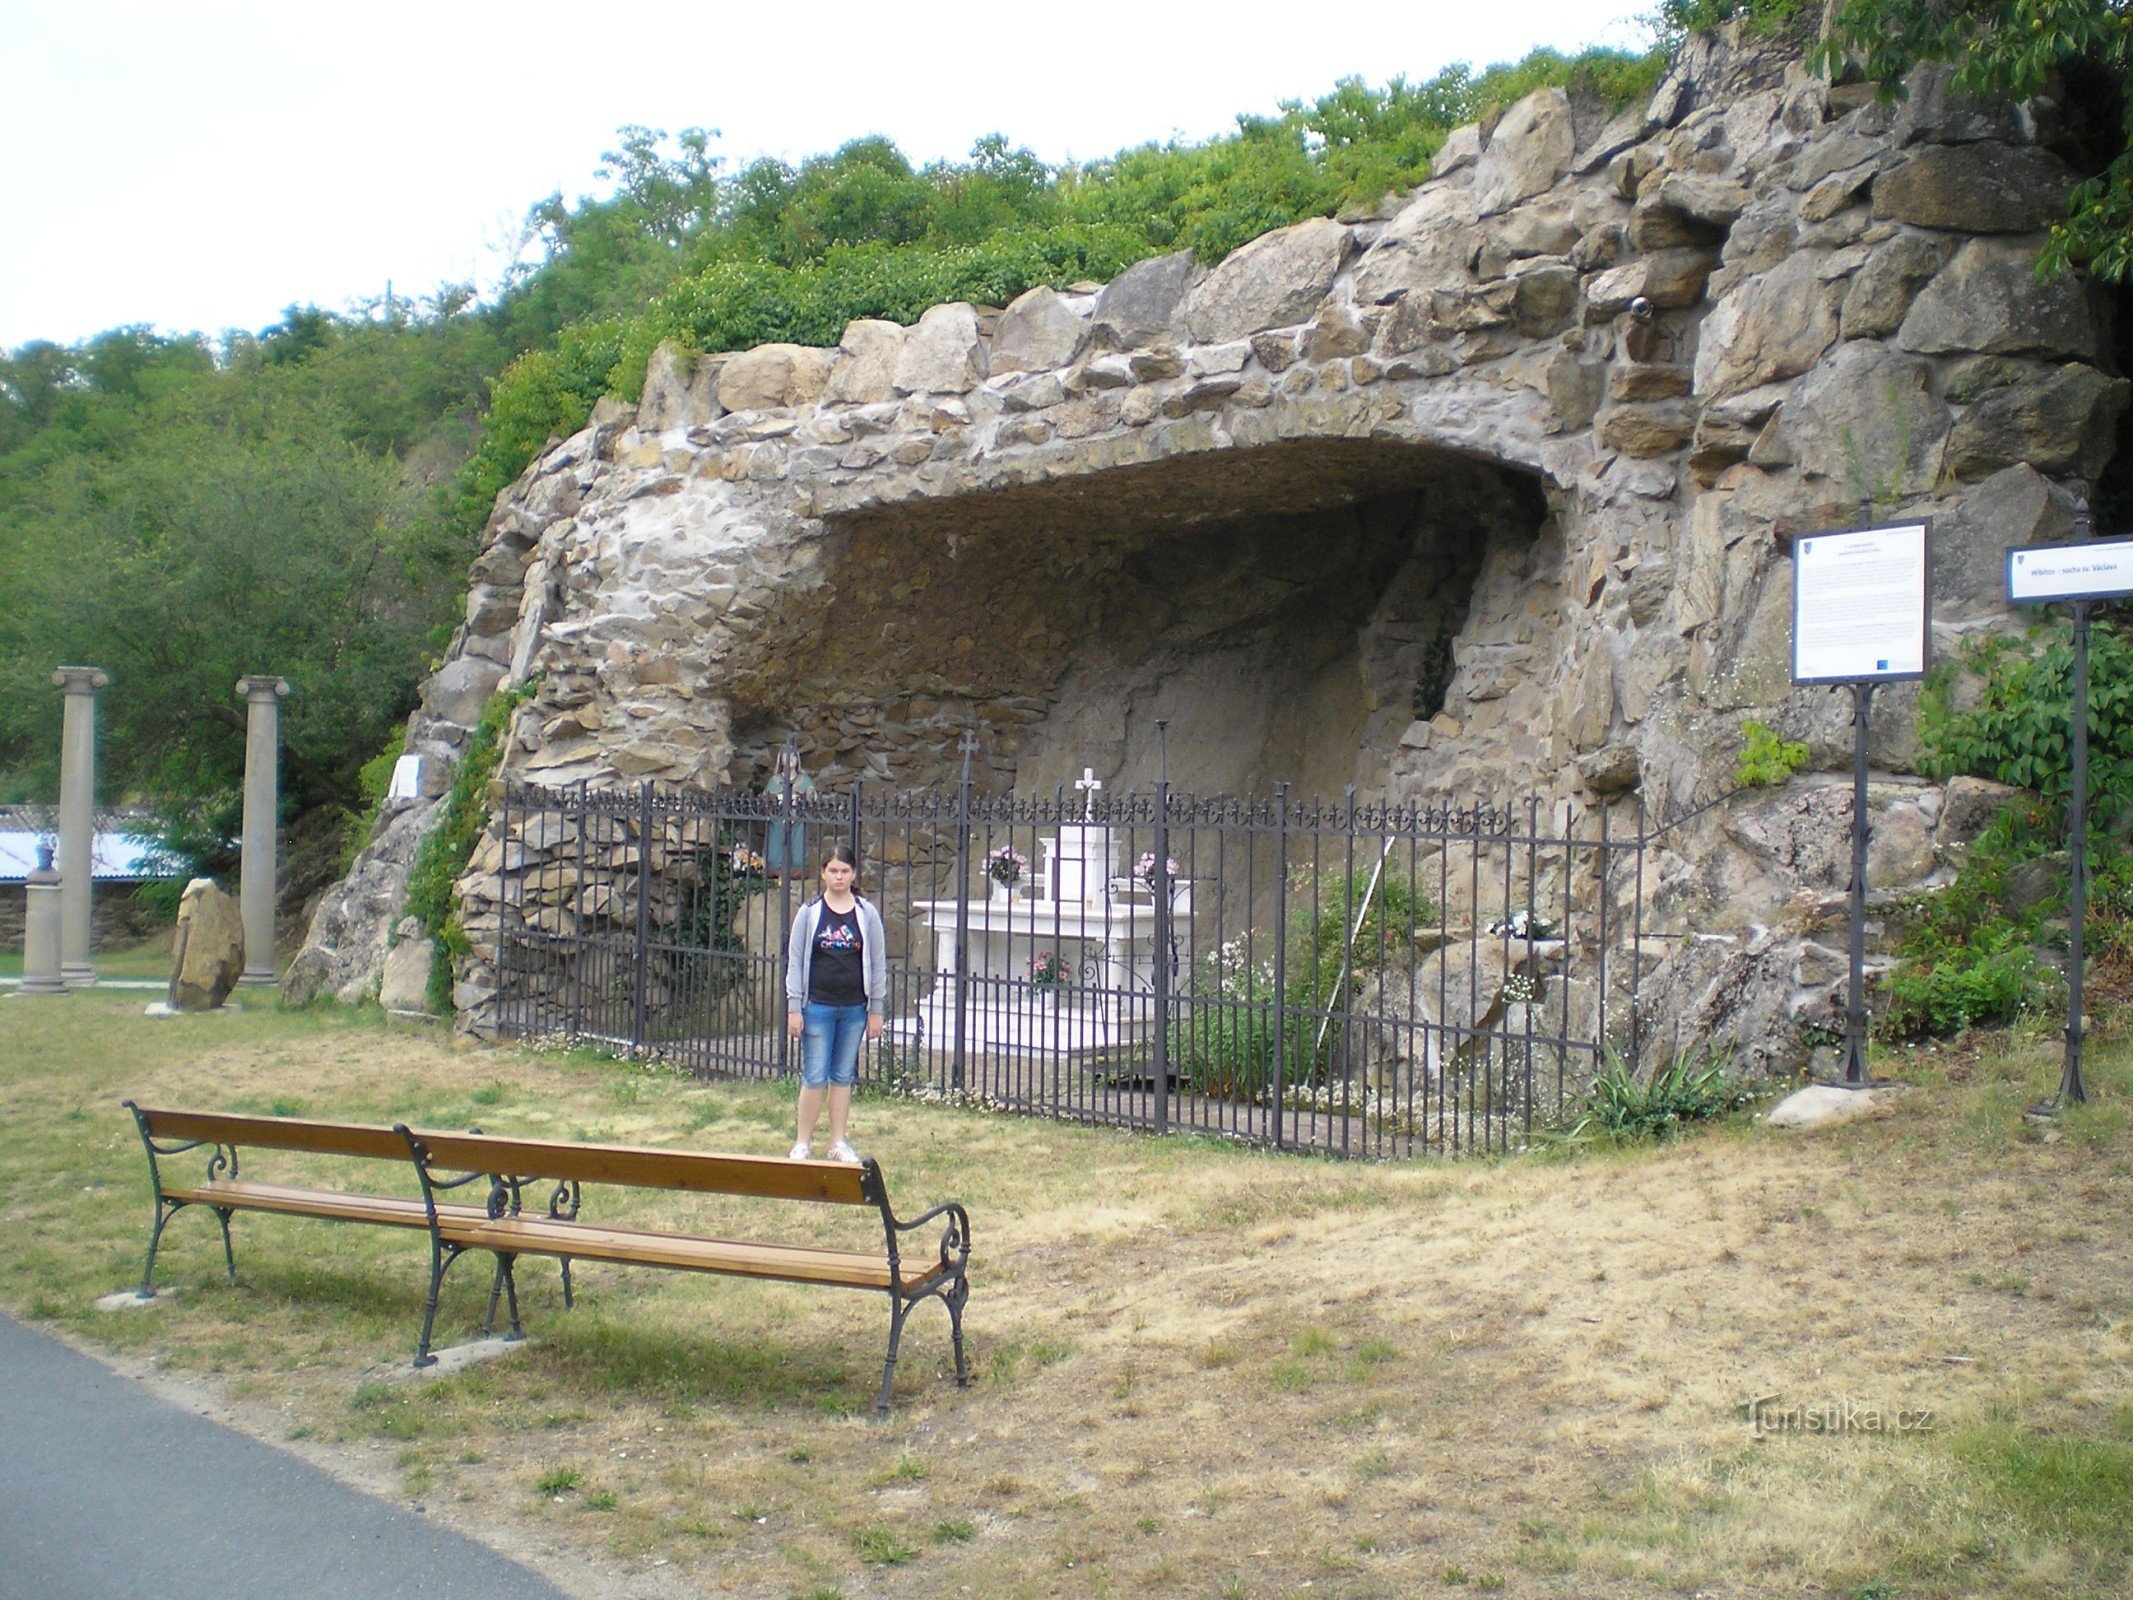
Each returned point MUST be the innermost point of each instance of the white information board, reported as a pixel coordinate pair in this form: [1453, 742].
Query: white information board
[407, 779]
[2089, 571]
[1859, 605]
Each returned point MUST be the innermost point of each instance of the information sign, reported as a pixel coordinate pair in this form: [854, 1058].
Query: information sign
[1859, 606]
[2092, 570]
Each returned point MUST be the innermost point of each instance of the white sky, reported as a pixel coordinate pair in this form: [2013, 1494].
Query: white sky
[202, 165]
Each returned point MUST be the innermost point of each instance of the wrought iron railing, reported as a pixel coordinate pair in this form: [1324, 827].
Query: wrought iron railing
[1356, 979]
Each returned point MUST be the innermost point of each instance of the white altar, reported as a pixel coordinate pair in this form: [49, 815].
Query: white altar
[1077, 918]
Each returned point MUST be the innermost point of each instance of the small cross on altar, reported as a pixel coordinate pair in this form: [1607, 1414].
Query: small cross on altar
[1088, 783]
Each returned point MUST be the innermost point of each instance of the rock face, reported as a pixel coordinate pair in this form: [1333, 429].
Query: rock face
[207, 951]
[1430, 506]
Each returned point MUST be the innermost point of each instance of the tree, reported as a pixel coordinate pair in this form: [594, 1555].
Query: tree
[236, 530]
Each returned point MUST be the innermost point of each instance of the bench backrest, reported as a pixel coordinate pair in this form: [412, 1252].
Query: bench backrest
[767, 1177]
[273, 1133]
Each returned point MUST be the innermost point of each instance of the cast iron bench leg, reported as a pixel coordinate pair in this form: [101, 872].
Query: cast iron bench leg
[164, 1212]
[504, 1283]
[229, 1258]
[441, 1259]
[955, 1298]
[899, 1308]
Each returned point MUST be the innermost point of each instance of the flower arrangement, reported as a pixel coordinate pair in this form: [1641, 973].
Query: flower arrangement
[747, 863]
[1006, 865]
[1047, 969]
[1144, 869]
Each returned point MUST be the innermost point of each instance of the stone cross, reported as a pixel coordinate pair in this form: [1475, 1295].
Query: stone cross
[262, 763]
[1088, 783]
[77, 819]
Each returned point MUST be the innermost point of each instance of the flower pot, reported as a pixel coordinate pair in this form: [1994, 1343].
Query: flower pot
[1002, 893]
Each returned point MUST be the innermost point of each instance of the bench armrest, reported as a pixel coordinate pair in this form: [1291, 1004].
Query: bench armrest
[955, 1238]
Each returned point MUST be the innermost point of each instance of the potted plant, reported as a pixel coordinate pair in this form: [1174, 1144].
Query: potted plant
[1006, 867]
[1144, 869]
[1047, 976]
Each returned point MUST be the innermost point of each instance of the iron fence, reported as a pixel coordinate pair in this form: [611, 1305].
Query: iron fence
[1354, 979]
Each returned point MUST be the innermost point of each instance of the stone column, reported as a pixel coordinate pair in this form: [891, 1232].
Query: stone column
[262, 774]
[77, 820]
[40, 930]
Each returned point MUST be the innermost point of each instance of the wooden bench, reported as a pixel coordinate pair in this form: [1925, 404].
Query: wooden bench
[504, 1170]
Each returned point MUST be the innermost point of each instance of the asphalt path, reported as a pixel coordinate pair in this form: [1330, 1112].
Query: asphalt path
[108, 1492]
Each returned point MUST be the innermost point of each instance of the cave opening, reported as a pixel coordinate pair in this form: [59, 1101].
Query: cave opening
[1287, 611]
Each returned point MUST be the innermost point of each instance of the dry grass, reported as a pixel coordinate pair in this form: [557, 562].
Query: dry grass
[1200, 1371]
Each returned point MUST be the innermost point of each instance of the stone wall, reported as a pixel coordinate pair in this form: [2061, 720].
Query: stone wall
[1492, 494]
[116, 916]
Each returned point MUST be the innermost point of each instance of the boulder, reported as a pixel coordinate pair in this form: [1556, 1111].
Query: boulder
[865, 367]
[1987, 299]
[1647, 430]
[1971, 539]
[774, 375]
[1820, 1104]
[1934, 111]
[1688, 208]
[461, 689]
[1978, 188]
[207, 951]
[1771, 327]
[1427, 246]
[1867, 420]
[1460, 150]
[1533, 145]
[2063, 424]
[1141, 302]
[665, 401]
[1882, 290]
[1276, 280]
[405, 985]
[1038, 332]
[944, 354]
[1543, 228]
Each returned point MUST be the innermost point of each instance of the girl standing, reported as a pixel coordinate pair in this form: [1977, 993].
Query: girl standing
[836, 992]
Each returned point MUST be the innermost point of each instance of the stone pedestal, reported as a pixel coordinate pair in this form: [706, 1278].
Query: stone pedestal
[262, 773]
[41, 972]
[77, 819]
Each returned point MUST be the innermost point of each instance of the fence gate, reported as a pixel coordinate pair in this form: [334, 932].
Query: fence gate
[1355, 980]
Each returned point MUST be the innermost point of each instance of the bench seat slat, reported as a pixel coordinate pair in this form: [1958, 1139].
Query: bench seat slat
[795, 1263]
[244, 1195]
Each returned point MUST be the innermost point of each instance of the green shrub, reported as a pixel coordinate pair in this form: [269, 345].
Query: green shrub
[2019, 731]
[1766, 760]
[372, 780]
[1977, 983]
[1694, 1087]
[1337, 947]
[449, 845]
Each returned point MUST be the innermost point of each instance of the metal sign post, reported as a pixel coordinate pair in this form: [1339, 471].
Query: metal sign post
[2079, 573]
[1860, 619]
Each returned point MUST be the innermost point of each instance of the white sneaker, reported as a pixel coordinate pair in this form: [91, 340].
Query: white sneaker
[800, 1152]
[843, 1151]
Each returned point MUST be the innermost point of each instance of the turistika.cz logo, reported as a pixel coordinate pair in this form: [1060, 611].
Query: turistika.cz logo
[1767, 1415]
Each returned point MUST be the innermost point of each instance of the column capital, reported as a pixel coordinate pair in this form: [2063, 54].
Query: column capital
[81, 680]
[262, 686]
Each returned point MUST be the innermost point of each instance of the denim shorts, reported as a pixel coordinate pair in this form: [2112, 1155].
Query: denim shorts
[829, 1044]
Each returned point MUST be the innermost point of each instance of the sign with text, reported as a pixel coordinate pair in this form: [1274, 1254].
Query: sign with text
[1859, 605]
[2095, 570]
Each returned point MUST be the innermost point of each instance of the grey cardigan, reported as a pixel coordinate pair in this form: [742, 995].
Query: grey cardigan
[874, 950]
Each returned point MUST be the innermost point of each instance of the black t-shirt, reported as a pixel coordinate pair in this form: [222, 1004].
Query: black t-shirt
[837, 975]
